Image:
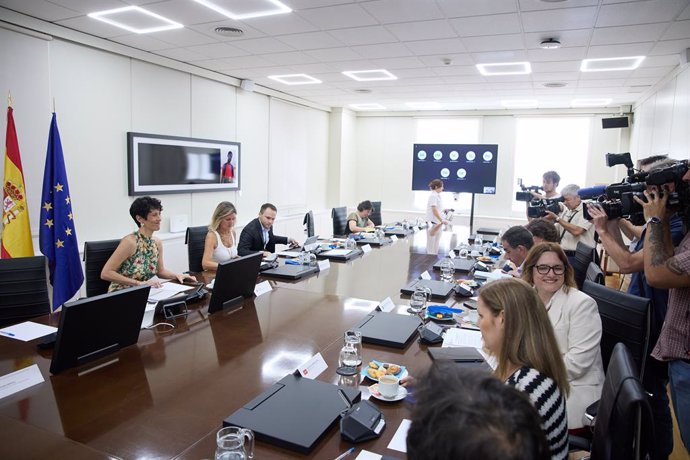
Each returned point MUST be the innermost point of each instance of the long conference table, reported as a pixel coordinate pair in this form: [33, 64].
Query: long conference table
[167, 396]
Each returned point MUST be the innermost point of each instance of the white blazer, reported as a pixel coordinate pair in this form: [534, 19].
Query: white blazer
[577, 324]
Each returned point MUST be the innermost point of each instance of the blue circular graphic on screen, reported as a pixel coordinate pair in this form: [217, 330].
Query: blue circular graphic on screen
[461, 173]
[470, 156]
[445, 172]
[421, 155]
[438, 155]
[488, 156]
[454, 155]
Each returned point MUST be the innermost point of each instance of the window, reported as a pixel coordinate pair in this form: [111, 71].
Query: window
[447, 131]
[550, 144]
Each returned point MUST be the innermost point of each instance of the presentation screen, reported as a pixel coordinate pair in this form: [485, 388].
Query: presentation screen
[463, 168]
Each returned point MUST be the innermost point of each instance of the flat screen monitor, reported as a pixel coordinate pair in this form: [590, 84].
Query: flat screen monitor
[98, 326]
[235, 281]
[468, 168]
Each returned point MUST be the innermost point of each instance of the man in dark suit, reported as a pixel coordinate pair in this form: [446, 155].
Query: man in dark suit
[258, 235]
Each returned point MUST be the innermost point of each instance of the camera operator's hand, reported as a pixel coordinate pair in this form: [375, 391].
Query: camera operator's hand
[550, 216]
[599, 217]
[655, 206]
[537, 195]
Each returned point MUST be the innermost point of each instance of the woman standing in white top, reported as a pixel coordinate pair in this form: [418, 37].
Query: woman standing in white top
[434, 206]
[220, 240]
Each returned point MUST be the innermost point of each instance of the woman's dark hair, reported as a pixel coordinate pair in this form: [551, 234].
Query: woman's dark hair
[469, 414]
[142, 206]
[364, 205]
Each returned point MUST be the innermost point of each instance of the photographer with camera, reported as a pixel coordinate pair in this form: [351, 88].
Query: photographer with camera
[666, 268]
[571, 222]
[656, 373]
[550, 181]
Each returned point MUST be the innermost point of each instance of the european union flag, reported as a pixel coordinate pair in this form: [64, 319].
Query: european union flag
[58, 238]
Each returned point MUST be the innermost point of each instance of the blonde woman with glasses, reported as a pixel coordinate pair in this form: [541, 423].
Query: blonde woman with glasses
[576, 323]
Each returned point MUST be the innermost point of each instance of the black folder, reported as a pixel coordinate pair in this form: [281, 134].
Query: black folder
[294, 413]
[439, 289]
[462, 264]
[388, 329]
[290, 272]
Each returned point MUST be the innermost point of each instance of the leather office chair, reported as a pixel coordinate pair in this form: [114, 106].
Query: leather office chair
[624, 318]
[23, 289]
[583, 256]
[375, 216]
[339, 217]
[308, 222]
[96, 254]
[195, 239]
[595, 274]
[623, 428]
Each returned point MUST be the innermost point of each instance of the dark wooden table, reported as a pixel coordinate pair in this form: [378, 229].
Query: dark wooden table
[167, 396]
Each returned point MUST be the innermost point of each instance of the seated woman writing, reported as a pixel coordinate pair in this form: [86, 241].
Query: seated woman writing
[359, 221]
[138, 259]
[220, 244]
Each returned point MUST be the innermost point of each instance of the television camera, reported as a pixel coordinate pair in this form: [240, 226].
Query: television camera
[537, 207]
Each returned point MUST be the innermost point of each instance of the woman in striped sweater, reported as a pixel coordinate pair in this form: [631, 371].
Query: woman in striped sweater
[522, 339]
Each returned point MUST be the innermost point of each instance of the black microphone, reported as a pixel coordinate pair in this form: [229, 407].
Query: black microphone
[591, 192]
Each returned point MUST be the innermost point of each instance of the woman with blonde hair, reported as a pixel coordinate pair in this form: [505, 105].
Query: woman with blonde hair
[517, 331]
[220, 240]
[576, 323]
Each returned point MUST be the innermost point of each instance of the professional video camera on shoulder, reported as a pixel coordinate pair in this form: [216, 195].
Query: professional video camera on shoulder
[538, 208]
[525, 194]
[617, 200]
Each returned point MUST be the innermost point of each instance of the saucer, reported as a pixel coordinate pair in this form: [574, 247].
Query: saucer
[374, 391]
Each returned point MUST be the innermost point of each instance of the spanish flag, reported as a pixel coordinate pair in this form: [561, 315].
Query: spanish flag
[16, 230]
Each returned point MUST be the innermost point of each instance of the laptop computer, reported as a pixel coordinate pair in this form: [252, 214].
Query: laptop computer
[439, 289]
[98, 326]
[388, 329]
[462, 264]
[309, 245]
[235, 281]
[294, 413]
[290, 272]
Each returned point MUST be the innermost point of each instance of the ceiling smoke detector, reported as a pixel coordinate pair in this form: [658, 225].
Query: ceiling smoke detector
[229, 31]
[362, 91]
[555, 84]
[550, 44]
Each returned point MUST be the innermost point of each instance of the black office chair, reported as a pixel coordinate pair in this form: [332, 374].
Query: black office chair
[96, 254]
[375, 215]
[624, 318]
[339, 217]
[23, 289]
[308, 223]
[623, 428]
[195, 239]
[583, 256]
[595, 274]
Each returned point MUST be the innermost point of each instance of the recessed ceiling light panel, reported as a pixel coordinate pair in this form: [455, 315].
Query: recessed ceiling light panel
[136, 20]
[370, 75]
[223, 7]
[598, 102]
[610, 64]
[371, 106]
[505, 68]
[424, 105]
[295, 79]
[520, 103]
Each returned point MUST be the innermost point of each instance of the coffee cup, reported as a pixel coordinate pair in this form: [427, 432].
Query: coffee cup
[388, 386]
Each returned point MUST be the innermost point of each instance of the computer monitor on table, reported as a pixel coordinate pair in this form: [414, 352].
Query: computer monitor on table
[95, 327]
[235, 281]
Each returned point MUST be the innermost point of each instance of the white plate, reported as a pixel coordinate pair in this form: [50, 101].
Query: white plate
[374, 391]
[400, 375]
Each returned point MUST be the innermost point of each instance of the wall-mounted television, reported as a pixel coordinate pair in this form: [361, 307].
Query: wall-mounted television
[468, 168]
[170, 164]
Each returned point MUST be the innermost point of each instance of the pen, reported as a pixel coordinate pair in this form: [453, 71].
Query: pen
[345, 454]
[7, 333]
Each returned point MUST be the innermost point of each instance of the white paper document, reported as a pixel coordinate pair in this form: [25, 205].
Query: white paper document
[366, 455]
[27, 330]
[399, 441]
[19, 380]
[166, 291]
[456, 337]
[312, 368]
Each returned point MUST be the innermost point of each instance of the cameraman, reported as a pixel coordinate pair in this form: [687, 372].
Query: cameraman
[550, 181]
[571, 222]
[666, 269]
[656, 373]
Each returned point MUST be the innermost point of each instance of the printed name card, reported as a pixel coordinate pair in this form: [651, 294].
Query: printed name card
[425, 276]
[452, 254]
[386, 305]
[262, 288]
[20, 380]
[415, 229]
[312, 368]
[394, 238]
[324, 265]
[366, 248]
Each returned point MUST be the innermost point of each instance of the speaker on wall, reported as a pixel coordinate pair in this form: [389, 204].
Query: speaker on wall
[247, 85]
[615, 122]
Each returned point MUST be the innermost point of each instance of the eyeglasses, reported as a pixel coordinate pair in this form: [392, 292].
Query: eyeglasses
[544, 269]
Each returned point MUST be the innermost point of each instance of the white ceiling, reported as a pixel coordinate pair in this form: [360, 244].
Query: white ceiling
[411, 39]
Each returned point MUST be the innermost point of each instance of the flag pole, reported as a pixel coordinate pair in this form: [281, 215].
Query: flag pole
[9, 99]
[53, 104]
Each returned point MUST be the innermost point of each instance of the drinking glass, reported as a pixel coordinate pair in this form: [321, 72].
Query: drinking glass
[351, 244]
[348, 357]
[447, 270]
[354, 339]
[417, 301]
[234, 443]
